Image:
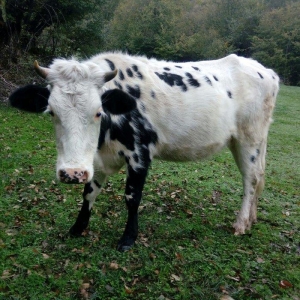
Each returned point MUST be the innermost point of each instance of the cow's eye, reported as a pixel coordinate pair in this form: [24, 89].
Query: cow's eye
[98, 114]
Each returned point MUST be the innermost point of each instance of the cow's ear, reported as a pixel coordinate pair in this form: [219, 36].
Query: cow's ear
[31, 98]
[117, 102]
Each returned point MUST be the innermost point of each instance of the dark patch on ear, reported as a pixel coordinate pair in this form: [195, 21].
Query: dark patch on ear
[215, 78]
[134, 91]
[111, 64]
[172, 79]
[129, 72]
[262, 77]
[117, 102]
[196, 68]
[192, 81]
[208, 80]
[121, 75]
[229, 94]
[31, 98]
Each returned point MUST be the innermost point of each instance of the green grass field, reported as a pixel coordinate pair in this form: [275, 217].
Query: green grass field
[186, 248]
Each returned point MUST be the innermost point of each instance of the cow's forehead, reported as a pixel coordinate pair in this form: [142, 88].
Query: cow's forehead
[65, 96]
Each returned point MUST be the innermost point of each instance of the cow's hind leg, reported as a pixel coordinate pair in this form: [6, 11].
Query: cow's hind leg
[91, 191]
[133, 194]
[251, 162]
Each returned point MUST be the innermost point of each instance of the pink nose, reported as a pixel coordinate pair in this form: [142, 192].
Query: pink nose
[73, 176]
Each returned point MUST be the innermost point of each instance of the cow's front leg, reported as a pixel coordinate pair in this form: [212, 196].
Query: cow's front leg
[90, 192]
[133, 194]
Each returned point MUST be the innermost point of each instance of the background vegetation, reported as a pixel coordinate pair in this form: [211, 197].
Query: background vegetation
[181, 30]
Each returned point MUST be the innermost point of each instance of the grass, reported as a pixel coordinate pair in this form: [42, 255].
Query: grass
[186, 248]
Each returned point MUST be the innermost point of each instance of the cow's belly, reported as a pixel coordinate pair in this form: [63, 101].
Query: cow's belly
[188, 152]
[195, 143]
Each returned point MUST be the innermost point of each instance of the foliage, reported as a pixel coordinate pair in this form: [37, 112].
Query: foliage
[186, 248]
[277, 42]
[182, 30]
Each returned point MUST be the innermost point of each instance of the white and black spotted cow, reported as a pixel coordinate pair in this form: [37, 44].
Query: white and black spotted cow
[117, 109]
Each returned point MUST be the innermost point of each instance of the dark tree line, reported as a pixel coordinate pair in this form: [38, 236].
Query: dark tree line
[182, 30]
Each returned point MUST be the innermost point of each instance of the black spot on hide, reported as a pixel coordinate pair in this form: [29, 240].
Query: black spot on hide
[118, 85]
[229, 94]
[111, 64]
[192, 81]
[122, 131]
[167, 69]
[134, 91]
[215, 78]
[121, 75]
[153, 95]
[253, 159]
[129, 72]
[208, 80]
[137, 72]
[172, 79]
[196, 68]
[87, 189]
[179, 67]
[98, 185]
[260, 75]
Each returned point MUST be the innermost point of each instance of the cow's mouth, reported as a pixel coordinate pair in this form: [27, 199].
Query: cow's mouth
[71, 176]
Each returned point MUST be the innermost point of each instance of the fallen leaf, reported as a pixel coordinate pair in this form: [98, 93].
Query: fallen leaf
[260, 260]
[175, 278]
[178, 256]
[46, 256]
[285, 284]
[226, 297]
[109, 288]
[128, 290]
[114, 266]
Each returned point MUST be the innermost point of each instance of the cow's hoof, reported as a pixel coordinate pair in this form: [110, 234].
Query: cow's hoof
[123, 248]
[240, 227]
[75, 231]
[125, 244]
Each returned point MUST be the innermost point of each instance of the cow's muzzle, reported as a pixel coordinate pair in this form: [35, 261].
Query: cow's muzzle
[73, 176]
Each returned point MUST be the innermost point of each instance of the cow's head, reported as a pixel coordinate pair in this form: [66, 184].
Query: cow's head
[77, 101]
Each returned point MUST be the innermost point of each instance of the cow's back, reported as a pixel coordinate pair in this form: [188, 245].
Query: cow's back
[195, 107]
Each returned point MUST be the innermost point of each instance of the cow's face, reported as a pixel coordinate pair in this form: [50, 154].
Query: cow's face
[76, 100]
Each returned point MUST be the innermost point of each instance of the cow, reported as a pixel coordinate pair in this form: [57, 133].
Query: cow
[116, 109]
